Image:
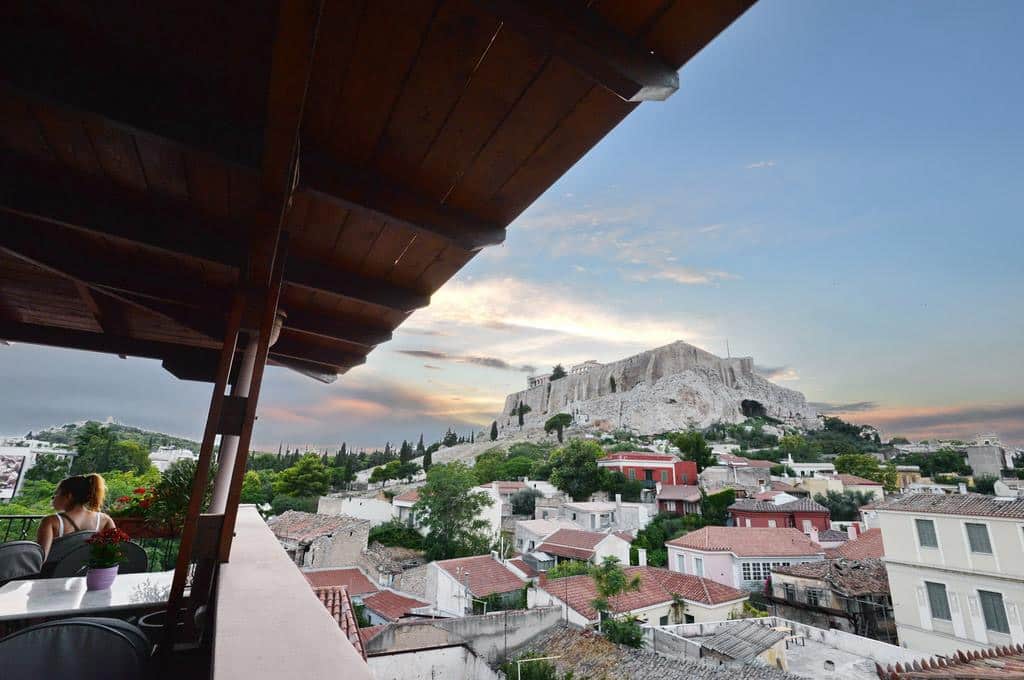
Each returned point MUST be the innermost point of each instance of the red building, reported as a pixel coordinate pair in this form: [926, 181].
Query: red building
[679, 499]
[803, 514]
[652, 468]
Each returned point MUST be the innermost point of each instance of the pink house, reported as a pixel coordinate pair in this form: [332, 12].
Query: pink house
[740, 557]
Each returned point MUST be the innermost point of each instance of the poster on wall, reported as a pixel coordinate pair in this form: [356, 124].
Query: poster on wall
[11, 467]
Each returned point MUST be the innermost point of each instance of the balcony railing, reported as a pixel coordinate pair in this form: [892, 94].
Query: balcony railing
[161, 551]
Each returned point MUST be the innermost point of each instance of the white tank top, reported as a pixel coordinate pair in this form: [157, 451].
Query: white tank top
[60, 523]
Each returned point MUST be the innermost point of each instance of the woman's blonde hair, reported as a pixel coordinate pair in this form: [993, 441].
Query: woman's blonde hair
[86, 490]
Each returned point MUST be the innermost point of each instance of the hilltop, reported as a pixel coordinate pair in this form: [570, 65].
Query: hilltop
[65, 434]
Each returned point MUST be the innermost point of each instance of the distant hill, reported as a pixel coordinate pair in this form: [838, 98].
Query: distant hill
[65, 434]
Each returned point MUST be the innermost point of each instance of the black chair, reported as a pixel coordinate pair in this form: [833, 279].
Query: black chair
[61, 548]
[76, 562]
[84, 648]
[20, 559]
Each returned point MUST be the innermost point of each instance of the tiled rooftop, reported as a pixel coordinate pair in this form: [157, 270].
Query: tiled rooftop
[866, 546]
[505, 486]
[545, 527]
[351, 577]
[969, 504]
[486, 575]
[410, 496]
[742, 641]
[799, 505]
[848, 480]
[339, 605]
[846, 577]
[303, 527]
[988, 664]
[522, 566]
[832, 536]
[749, 541]
[728, 458]
[657, 586]
[392, 606]
[687, 493]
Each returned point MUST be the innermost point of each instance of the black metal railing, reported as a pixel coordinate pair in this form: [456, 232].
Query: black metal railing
[162, 552]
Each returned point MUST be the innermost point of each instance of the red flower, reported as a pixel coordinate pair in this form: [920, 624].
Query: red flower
[145, 503]
[141, 490]
[108, 537]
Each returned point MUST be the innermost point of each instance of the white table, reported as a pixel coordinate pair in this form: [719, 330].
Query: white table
[68, 596]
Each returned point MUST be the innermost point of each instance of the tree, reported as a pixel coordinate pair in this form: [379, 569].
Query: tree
[49, 467]
[521, 410]
[308, 477]
[557, 372]
[611, 383]
[406, 470]
[558, 422]
[99, 450]
[845, 506]
[985, 484]
[893, 441]
[866, 466]
[489, 466]
[494, 430]
[252, 488]
[450, 438]
[380, 474]
[405, 452]
[420, 449]
[524, 501]
[692, 446]
[610, 580]
[451, 509]
[714, 507]
[574, 468]
[428, 458]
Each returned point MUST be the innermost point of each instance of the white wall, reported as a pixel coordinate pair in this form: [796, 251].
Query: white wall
[446, 595]
[612, 546]
[376, 510]
[429, 664]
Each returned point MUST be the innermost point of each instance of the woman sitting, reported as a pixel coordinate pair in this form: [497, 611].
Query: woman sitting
[77, 501]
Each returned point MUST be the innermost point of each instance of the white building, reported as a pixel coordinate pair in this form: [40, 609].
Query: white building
[956, 570]
[602, 515]
[586, 546]
[810, 469]
[166, 456]
[454, 586]
[531, 532]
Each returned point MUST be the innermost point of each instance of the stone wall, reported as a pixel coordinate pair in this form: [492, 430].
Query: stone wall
[659, 390]
[427, 664]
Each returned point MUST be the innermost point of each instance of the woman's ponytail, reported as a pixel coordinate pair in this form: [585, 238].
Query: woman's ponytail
[97, 492]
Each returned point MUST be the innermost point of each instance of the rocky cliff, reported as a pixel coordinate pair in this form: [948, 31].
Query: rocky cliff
[663, 389]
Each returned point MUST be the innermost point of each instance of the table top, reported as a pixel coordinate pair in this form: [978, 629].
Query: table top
[68, 596]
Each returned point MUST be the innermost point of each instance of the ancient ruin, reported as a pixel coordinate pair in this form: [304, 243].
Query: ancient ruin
[663, 389]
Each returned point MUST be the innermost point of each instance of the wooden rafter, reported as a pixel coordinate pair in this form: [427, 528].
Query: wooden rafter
[577, 34]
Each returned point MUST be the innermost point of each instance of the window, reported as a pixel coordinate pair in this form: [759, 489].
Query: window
[746, 572]
[574, 516]
[748, 522]
[688, 618]
[681, 564]
[938, 601]
[771, 524]
[813, 597]
[755, 571]
[926, 537]
[977, 536]
[663, 621]
[664, 476]
[670, 506]
[632, 473]
[808, 526]
[789, 590]
[698, 566]
[994, 611]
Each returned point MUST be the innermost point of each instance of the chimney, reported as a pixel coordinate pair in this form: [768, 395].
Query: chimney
[814, 534]
[618, 499]
[961, 488]
[853, 531]
[542, 579]
[641, 557]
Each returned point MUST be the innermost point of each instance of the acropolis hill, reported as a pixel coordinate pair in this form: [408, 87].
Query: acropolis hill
[662, 389]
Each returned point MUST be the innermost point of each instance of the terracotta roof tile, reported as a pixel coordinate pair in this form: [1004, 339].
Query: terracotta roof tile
[846, 577]
[656, 587]
[486, 575]
[304, 527]
[339, 605]
[855, 480]
[969, 504]
[522, 566]
[679, 492]
[992, 664]
[370, 632]
[740, 460]
[868, 545]
[392, 606]
[351, 577]
[574, 543]
[799, 505]
[410, 496]
[749, 541]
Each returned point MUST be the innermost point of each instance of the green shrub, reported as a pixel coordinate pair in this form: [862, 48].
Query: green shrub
[396, 534]
[283, 503]
[569, 568]
[624, 631]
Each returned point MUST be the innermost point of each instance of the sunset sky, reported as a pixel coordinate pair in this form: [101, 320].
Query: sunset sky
[835, 190]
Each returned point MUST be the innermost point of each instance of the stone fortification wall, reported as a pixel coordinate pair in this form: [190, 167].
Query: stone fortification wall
[662, 389]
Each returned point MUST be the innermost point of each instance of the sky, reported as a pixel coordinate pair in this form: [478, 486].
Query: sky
[836, 190]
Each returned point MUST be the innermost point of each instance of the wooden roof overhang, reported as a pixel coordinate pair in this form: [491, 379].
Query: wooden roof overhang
[142, 141]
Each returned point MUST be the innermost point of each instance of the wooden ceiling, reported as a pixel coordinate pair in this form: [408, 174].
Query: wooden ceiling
[136, 137]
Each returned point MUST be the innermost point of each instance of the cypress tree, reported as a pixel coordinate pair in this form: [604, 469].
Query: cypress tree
[494, 430]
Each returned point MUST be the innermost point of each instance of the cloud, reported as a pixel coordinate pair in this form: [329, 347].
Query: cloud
[489, 362]
[513, 305]
[779, 373]
[761, 164]
[683, 275]
[853, 407]
[431, 367]
[931, 422]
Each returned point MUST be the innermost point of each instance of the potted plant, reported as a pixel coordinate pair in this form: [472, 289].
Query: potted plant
[105, 556]
[131, 512]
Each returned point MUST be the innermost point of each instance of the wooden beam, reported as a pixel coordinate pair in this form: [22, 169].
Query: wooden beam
[100, 342]
[356, 190]
[166, 226]
[581, 37]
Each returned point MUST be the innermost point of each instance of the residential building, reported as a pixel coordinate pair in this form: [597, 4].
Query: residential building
[992, 664]
[313, 540]
[740, 557]
[601, 515]
[861, 484]
[744, 643]
[353, 579]
[987, 457]
[377, 510]
[586, 546]
[651, 468]
[848, 595]
[862, 546]
[745, 479]
[810, 469]
[783, 511]
[387, 606]
[454, 585]
[664, 597]
[907, 475]
[956, 569]
[531, 532]
[503, 491]
[165, 456]
[403, 505]
[679, 499]
[741, 461]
